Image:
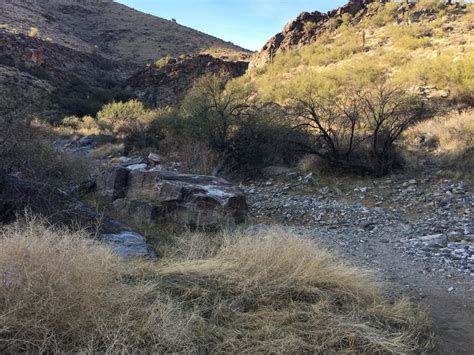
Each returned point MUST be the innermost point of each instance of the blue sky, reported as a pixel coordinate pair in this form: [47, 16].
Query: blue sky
[248, 23]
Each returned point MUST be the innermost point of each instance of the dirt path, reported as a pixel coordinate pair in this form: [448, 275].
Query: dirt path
[452, 312]
[382, 227]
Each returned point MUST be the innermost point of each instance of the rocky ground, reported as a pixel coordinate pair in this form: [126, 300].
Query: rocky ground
[418, 234]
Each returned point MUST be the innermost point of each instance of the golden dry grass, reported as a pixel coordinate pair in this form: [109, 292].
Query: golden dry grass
[265, 292]
[60, 292]
[449, 139]
[273, 292]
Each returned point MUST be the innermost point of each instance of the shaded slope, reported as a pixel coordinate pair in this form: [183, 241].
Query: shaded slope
[115, 30]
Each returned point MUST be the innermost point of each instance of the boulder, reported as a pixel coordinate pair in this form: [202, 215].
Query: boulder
[164, 196]
[129, 245]
[154, 158]
[59, 207]
[113, 183]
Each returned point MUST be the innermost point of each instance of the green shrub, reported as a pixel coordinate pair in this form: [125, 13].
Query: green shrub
[131, 123]
[242, 134]
[162, 62]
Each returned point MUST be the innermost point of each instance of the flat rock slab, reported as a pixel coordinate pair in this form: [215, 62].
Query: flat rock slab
[193, 200]
[129, 244]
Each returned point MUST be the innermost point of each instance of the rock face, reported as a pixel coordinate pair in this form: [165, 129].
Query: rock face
[304, 30]
[163, 196]
[59, 207]
[168, 83]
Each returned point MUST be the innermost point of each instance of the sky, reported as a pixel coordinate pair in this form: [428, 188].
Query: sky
[247, 23]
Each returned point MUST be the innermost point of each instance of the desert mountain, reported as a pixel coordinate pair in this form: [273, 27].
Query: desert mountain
[82, 53]
[116, 31]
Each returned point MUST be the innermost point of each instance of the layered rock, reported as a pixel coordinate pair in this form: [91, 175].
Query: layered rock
[163, 196]
[167, 83]
[57, 206]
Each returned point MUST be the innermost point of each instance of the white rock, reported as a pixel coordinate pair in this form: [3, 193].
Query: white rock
[155, 158]
[137, 167]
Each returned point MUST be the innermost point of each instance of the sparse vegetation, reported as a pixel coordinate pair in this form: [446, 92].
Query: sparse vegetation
[268, 292]
[448, 139]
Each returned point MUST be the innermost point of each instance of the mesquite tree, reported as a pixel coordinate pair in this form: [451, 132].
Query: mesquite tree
[357, 127]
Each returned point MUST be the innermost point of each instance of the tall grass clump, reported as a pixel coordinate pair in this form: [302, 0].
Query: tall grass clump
[273, 292]
[60, 292]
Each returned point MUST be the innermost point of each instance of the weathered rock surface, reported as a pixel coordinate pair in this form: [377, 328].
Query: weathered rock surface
[129, 244]
[192, 200]
[16, 195]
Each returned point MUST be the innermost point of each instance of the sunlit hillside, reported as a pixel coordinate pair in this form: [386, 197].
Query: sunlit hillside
[428, 47]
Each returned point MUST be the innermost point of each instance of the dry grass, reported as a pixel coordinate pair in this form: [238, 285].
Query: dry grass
[60, 292]
[449, 139]
[272, 292]
[268, 292]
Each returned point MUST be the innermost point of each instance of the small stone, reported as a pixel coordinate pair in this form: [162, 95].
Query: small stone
[154, 158]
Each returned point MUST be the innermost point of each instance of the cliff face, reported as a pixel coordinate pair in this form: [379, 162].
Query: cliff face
[169, 82]
[304, 30]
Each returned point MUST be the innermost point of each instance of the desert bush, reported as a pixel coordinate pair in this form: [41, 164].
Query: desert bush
[61, 292]
[213, 107]
[435, 5]
[36, 159]
[408, 37]
[224, 116]
[131, 123]
[162, 62]
[25, 148]
[263, 140]
[384, 13]
[356, 129]
[273, 292]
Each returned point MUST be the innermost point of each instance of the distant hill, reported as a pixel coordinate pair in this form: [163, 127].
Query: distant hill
[116, 31]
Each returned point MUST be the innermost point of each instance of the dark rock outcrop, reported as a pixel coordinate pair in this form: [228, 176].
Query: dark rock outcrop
[163, 196]
[57, 206]
[304, 30]
[167, 83]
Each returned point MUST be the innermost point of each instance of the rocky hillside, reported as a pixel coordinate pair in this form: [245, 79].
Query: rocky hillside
[304, 29]
[166, 82]
[115, 30]
[82, 54]
[426, 46]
